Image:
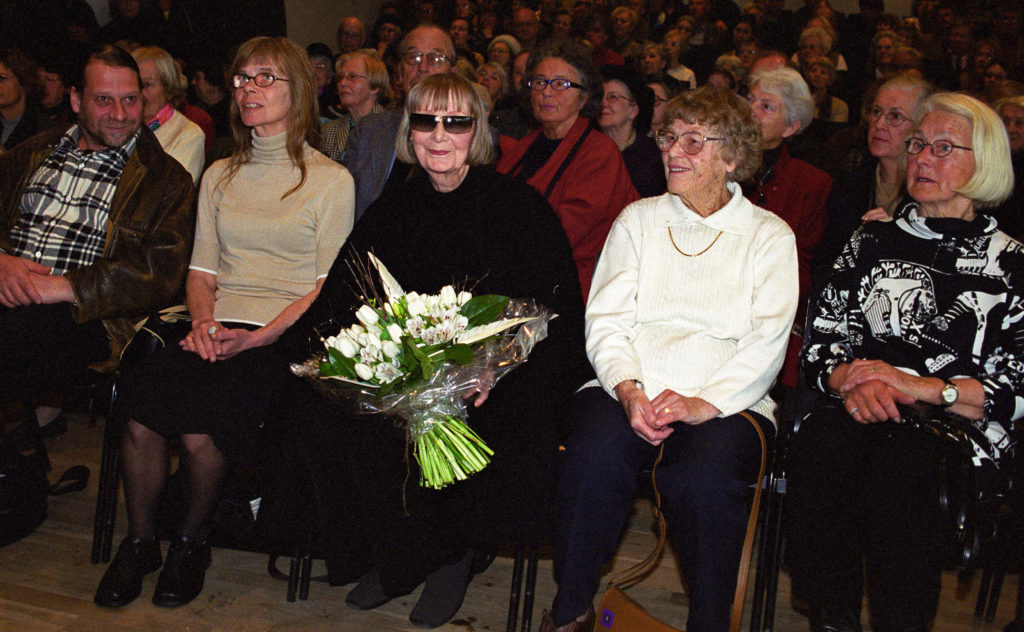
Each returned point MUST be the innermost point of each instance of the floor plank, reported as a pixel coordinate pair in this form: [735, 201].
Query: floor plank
[47, 582]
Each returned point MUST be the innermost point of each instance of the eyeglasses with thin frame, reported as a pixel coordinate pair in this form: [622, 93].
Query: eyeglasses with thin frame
[691, 142]
[414, 57]
[453, 123]
[615, 98]
[939, 148]
[892, 117]
[349, 76]
[538, 84]
[261, 79]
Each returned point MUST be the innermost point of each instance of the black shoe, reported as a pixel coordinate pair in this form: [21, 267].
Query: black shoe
[443, 594]
[122, 582]
[181, 581]
[368, 593]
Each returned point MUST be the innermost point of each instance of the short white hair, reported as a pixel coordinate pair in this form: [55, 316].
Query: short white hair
[791, 87]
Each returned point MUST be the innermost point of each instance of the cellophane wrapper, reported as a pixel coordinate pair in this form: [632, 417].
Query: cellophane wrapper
[434, 410]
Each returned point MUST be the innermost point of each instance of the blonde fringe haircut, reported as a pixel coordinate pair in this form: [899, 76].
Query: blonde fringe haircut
[304, 116]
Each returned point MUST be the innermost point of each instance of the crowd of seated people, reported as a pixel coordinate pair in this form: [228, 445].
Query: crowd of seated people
[579, 109]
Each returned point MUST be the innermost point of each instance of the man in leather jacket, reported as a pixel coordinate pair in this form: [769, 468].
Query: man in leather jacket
[96, 228]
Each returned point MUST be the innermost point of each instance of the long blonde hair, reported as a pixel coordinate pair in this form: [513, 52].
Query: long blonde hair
[304, 115]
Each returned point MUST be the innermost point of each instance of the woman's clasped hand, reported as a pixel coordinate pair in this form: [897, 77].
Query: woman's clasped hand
[651, 419]
[871, 390]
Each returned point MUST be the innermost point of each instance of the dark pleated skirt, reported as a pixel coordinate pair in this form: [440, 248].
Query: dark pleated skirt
[175, 392]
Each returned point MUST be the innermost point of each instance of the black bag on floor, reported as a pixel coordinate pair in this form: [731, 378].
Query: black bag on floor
[23, 483]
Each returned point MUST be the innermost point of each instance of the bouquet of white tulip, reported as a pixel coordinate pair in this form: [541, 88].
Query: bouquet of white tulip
[417, 356]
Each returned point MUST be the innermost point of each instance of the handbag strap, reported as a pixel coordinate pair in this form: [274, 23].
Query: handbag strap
[748, 541]
[636, 572]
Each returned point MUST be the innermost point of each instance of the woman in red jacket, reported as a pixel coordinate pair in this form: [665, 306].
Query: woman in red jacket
[575, 166]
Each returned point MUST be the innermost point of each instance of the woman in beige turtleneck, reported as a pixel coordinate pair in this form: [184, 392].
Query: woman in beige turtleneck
[271, 219]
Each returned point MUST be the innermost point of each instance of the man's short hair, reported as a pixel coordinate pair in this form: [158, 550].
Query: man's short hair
[110, 55]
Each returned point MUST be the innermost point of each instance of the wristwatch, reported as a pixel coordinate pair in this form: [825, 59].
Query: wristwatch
[950, 393]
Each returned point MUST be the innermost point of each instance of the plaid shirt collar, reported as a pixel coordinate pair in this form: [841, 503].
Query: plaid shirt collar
[68, 143]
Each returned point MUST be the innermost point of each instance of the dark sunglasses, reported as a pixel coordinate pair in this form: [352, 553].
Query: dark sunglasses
[457, 124]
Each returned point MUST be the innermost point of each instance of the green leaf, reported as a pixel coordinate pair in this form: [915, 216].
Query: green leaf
[409, 359]
[426, 364]
[483, 309]
[338, 364]
[463, 354]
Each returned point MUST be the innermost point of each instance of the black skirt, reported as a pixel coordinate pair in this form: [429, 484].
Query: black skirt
[175, 392]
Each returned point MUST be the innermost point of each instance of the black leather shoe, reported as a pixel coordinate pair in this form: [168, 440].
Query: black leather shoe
[181, 581]
[122, 582]
[443, 593]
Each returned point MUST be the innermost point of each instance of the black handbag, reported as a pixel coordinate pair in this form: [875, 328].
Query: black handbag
[971, 490]
[23, 483]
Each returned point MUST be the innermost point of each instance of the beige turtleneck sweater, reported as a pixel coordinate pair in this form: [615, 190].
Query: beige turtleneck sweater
[268, 252]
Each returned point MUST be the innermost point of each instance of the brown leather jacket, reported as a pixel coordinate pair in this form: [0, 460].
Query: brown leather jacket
[149, 234]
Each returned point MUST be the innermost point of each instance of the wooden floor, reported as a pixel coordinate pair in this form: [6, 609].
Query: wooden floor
[47, 582]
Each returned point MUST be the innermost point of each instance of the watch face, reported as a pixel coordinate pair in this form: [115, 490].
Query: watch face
[949, 394]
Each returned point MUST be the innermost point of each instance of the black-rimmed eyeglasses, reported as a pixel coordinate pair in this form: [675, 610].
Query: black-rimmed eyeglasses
[453, 124]
[261, 79]
[691, 142]
[537, 84]
[939, 148]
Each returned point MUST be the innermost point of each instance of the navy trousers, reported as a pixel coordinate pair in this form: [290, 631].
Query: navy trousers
[705, 479]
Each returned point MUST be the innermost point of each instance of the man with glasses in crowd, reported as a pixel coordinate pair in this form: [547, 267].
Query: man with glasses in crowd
[425, 50]
[95, 232]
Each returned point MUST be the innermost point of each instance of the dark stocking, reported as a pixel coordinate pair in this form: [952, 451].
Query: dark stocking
[204, 464]
[144, 455]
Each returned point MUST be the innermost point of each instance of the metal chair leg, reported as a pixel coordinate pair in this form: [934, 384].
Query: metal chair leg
[513, 599]
[528, 592]
[106, 495]
[305, 570]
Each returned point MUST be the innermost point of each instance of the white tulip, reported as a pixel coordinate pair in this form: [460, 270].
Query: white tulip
[390, 349]
[346, 346]
[464, 298]
[373, 340]
[364, 372]
[415, 304]
[355, 330]
[367, 315]
[395, 332]
[448, 296]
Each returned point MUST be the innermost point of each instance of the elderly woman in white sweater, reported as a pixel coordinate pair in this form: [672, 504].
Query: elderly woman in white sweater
[687, 323]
